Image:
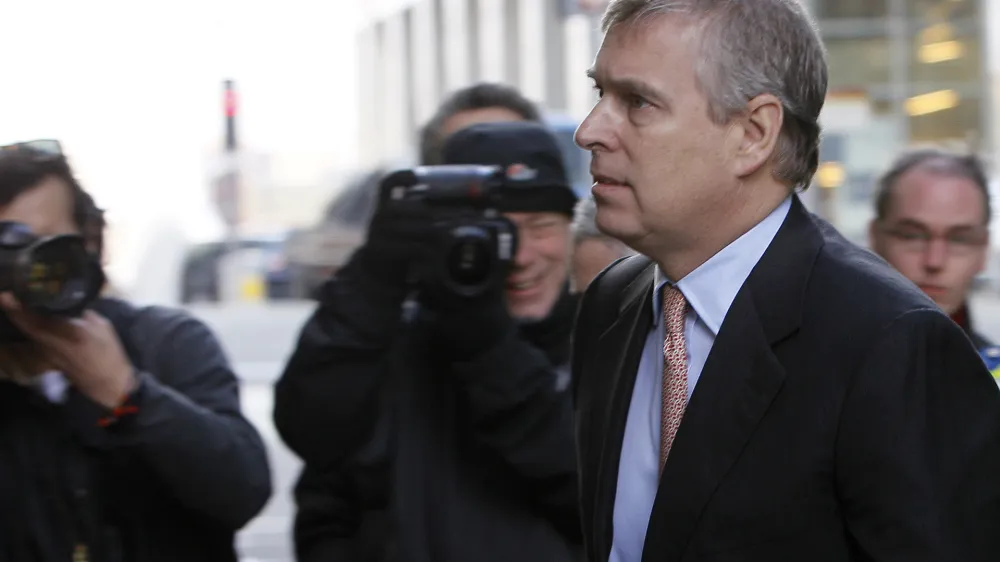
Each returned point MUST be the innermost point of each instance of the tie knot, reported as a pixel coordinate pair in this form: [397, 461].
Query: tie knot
[674, 308]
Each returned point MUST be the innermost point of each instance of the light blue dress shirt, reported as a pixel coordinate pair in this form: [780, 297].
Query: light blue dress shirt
[710, 290]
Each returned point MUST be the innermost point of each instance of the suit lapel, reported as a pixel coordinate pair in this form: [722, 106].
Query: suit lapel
[738, 383]
[627, 335]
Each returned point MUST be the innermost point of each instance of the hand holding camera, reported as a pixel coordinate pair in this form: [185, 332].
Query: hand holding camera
[46, 286]
[440, 227]
[85, 349]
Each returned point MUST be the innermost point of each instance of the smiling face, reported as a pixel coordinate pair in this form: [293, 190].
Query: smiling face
[541, 265]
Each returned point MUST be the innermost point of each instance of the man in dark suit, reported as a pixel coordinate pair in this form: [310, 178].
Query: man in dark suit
[757, 389]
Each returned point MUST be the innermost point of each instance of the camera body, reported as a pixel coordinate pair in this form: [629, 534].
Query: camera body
[477, 244]
[53, 275]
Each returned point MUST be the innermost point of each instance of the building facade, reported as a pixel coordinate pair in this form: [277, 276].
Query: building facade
[902, 72]
[414, 52]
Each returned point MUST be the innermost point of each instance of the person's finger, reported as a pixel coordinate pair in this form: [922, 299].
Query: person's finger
[48, 330]
[9, 302]
[92, 321]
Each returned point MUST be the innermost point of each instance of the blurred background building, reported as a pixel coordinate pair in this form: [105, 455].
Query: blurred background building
[902, 72]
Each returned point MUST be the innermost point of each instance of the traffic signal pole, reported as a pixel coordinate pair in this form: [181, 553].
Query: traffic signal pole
[228, 190]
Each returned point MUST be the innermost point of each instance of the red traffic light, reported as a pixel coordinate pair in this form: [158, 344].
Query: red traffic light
[230, 103]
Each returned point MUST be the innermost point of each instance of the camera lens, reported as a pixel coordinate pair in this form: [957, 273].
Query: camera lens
[470, 260]
[57, 276]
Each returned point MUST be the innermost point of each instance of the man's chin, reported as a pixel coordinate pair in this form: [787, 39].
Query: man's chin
[531, 310]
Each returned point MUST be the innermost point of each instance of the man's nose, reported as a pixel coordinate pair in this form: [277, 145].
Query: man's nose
[595, 132]
[936, 254]
[525, 252]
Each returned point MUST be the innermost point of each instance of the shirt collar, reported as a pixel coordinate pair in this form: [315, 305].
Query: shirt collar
[711, 288]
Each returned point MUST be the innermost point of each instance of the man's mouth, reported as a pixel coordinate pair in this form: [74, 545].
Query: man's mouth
[932, 290]
[526, 285]
[602, 179]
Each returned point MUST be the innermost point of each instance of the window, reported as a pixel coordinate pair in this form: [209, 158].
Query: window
[944, 51]
[962, 123]
[857, 63]
[837, 9]
[942, 10]
[954, 59]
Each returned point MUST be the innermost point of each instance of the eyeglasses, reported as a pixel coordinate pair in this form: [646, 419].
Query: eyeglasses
[958, 242]
[47, 147]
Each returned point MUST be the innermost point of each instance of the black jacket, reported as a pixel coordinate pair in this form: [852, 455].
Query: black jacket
[839, 417]
[174, 482]
[411, 459]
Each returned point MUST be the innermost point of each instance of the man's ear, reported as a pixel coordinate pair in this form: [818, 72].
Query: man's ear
[760, 128]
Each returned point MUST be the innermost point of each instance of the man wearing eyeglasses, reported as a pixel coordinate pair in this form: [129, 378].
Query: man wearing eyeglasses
[932, 215]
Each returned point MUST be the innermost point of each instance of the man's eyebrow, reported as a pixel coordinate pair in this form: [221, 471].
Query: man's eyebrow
[967, 229]
[953, 229]
[629, 85]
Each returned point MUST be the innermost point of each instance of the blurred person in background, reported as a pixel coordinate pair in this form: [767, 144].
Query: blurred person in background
[592, 250]
[450, 440]
[932, 220]
[121, 436]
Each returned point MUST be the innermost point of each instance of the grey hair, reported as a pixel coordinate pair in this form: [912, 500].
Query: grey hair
[751, 48]
[936, 161]
[584, 226]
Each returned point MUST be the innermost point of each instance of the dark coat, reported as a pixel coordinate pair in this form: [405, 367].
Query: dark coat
[174, 482]
[415, 458]
[840, 417]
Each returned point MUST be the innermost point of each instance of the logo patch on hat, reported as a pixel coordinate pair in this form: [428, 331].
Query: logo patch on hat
[521, 172]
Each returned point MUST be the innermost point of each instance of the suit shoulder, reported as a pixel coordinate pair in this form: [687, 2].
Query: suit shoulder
[849, 278]
[614, 278]
[603, 296]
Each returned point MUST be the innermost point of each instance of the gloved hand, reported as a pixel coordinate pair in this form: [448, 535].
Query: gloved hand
[397, 242]
[466, 327]
[369, 290]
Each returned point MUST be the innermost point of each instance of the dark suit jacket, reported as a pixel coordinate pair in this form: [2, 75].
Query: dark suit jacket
[840, 417]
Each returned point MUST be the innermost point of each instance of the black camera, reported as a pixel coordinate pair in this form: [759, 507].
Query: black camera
[53, 275]
[477, 244]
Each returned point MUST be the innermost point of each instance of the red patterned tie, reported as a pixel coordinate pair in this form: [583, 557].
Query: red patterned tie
[675, 371]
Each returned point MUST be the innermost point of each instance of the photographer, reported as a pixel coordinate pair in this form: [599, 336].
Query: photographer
[449, 438]
[121, 437]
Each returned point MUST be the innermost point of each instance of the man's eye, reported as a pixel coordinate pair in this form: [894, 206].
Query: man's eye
[966, 239]
[637, 102]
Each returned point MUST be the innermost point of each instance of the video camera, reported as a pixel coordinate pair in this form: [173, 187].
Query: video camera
[53, 275]
[477, 242]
